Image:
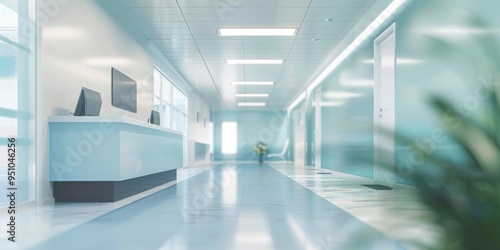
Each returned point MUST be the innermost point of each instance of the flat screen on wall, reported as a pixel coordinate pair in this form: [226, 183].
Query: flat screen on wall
[89, 103]
[124, 91]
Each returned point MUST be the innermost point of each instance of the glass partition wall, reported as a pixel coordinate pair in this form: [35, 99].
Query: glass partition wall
[17, 100]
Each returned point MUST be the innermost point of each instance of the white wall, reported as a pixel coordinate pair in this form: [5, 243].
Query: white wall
[80, 44]
[198, 131]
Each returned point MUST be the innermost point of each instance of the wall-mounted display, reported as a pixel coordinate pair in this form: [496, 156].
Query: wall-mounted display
[124, 91]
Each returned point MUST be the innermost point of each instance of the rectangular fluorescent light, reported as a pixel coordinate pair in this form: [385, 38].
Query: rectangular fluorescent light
[251, 95]
[252, 83]
[251, 104]
[256, 32]
[255, 61]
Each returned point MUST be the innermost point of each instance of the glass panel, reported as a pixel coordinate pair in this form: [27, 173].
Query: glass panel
[171, 101]
[180, 101]
[15, 118]
[8, 107]
[8, 127]
[8, 77]
[179, 107]
[175, 119]
[17, 98]
[166, 114]
[9, 19]
[157, 90]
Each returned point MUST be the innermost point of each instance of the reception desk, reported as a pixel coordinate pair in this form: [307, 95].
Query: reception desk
[110, 158]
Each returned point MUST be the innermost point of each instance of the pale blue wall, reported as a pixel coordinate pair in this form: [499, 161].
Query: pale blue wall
[269, 127]
[347, 131]
[443, 47]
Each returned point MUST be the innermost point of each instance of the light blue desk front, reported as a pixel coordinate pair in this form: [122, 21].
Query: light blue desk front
[110, 148]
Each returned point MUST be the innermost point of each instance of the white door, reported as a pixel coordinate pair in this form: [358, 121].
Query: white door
[317, 131]
[384, 104]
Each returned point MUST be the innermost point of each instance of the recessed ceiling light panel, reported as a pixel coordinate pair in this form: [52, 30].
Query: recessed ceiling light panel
[251, 95]
[256, 32]
[251, 104]
[255, 61]
[252, 83]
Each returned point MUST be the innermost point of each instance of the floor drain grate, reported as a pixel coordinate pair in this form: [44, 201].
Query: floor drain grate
[377, 187]
[323, 173]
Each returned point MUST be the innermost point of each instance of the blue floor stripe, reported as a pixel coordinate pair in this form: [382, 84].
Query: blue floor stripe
[239, 206]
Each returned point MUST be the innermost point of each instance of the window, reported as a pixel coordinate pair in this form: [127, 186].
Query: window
[170, 102]
[229, 136]
[165, 102]
[179, 111]
[17, 97]
[9, 19]
[157, 91]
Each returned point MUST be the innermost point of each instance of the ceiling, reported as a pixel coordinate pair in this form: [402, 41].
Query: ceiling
[186, 32]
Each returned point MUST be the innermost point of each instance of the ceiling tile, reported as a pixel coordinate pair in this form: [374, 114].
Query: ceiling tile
[186, 33]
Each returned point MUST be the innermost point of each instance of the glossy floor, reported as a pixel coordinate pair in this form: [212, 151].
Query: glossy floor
[396, 213]
[230, 206]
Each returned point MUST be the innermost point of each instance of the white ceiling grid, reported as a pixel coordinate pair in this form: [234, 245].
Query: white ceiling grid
[186, 33]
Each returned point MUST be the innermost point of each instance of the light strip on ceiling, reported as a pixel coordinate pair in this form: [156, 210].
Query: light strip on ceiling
[384, 16]
[377, 22]
[252, 83]
[251, 104]
[256, 32]
[255, 61]
[251, 95]
[299, 99]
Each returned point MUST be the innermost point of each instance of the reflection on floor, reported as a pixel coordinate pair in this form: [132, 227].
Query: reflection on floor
[396, 213]
[233, 206]
[35, 224]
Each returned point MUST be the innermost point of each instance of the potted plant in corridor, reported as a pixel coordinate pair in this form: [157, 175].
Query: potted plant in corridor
[260, 150]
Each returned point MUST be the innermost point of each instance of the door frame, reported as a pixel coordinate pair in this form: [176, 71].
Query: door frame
[317, 128]
[383, 175]
[300, 136]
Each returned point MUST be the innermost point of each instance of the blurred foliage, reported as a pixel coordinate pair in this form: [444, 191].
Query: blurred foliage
[465, 197]
[463, 192]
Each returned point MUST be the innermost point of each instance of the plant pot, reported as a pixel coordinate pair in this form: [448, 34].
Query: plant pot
[261, 159]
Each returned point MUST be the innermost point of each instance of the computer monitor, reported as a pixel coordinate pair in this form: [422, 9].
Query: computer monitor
[89, 103]
[155, 117]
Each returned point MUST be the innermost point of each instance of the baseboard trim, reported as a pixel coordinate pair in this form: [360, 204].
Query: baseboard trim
[109, 191]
